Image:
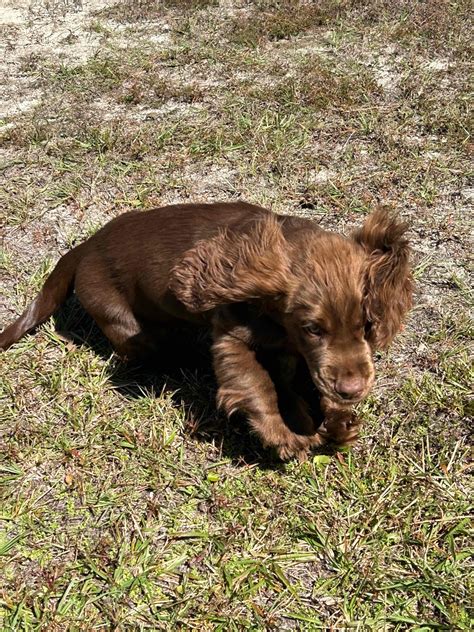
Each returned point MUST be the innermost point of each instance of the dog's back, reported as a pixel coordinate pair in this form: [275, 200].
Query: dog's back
[129, 261]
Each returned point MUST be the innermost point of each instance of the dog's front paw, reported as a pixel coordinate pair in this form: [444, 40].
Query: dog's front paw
[288, 452]
[293, 445]
[341, 428]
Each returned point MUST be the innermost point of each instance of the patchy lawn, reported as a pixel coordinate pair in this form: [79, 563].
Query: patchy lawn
[128, 502]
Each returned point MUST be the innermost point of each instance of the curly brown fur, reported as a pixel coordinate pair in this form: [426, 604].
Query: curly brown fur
[263, 283]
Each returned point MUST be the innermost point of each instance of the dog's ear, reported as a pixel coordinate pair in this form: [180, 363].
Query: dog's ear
[389, 284]
[233, 266]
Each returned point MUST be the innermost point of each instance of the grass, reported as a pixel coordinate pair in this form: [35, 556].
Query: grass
[127, 501]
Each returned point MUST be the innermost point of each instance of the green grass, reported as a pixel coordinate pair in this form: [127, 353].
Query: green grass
[128, 502]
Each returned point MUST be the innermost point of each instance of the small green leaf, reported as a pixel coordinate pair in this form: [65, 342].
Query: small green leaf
[321, 459]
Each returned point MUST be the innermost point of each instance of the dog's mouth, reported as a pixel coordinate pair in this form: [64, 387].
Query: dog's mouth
[328, 389]
[353, 399]
[344, 400]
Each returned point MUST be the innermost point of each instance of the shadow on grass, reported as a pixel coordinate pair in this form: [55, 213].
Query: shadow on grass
[184, 370]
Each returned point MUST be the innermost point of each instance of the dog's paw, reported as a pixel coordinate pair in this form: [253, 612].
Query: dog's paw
[292, 445]
[287, 452]
[340, 428]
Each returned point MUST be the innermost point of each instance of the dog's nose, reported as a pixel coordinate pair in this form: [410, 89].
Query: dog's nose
[349, 387]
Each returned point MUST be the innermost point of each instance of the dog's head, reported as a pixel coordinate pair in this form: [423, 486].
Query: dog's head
[338, 298]
[325, 316]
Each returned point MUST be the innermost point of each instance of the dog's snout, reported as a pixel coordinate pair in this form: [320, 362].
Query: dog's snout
[349, 387]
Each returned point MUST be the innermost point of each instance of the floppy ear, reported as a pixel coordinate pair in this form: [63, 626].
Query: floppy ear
[232, 267]
[389, 284]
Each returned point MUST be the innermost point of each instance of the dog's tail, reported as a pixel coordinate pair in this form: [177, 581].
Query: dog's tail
[56, 289]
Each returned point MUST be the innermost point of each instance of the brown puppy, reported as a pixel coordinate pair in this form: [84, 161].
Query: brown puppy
[261, 282]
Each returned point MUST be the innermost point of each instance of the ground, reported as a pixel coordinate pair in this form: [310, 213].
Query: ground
[128, 501]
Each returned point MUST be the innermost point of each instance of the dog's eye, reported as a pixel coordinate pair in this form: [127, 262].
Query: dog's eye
[313, 330]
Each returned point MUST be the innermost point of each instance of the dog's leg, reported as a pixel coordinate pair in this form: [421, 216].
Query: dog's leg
[295, 410]
[245, 386]
[112, 313]
[129, 341]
